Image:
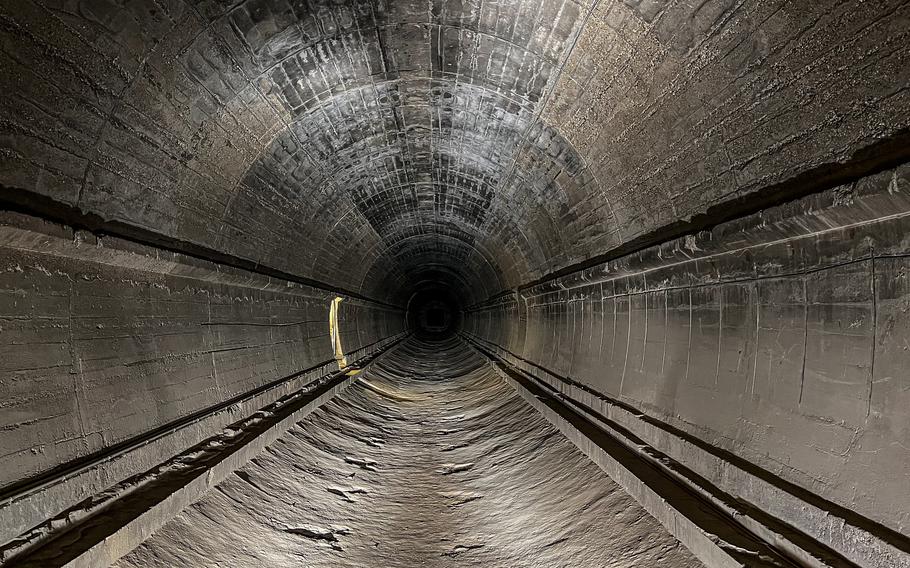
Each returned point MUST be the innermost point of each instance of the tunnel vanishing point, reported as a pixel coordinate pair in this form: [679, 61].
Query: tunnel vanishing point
[455, 283]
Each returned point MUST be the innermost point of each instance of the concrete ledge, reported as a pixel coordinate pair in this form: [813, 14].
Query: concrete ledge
[41, 493]
[32, 507]
[857, 540]
[713, 552]
[117, 521]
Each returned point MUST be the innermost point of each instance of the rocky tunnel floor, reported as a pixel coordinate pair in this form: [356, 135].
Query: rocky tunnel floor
[430, 459]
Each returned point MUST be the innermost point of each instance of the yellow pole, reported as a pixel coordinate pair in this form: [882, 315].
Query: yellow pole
[335, 332]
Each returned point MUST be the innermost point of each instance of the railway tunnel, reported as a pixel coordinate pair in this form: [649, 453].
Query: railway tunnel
[501, 283]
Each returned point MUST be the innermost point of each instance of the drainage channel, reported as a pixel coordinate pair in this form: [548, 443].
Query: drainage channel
[104, 527]
[429, 459]
[719, 529]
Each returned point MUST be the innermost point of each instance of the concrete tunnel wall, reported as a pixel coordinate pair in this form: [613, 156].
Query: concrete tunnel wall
[106, 341]
[781, 338]
[267, 156]
[364, 144]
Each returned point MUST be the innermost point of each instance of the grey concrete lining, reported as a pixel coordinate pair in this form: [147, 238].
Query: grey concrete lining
[86, 550]
[696, 211]
[30, 244]
[28, 509]
[642, 340]
[825, 522]
[353, 143]
[452, 472]
[712, 549]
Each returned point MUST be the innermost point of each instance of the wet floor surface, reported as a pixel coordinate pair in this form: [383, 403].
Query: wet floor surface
[429, 459]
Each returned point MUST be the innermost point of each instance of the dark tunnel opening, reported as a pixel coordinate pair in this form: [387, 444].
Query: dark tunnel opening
[449, 283]
[434, 313]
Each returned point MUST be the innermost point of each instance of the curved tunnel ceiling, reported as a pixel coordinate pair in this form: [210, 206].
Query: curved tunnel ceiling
[373, 145]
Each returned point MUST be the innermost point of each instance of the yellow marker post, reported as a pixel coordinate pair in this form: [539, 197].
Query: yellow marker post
[335, 332]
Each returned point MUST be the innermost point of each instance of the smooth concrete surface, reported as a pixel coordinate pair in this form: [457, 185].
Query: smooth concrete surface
[688, 216]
